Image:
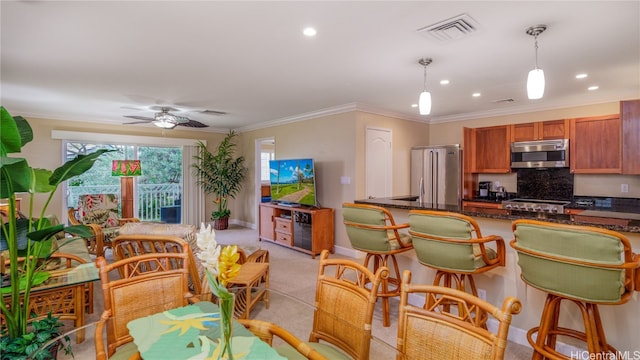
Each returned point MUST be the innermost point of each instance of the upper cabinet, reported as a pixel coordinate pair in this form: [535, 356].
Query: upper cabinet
[630, 114]
[543, 130]
[490, 149]
[596, 145]
[469, 178]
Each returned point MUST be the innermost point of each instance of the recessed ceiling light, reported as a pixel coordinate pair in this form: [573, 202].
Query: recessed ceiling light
[591, 88]
[309, 31]
[444, 82]
[414, 105]
[476, 94]
[581, 76]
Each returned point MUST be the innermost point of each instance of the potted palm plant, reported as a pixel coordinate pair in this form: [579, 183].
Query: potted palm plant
[220, 173]
[26, 237]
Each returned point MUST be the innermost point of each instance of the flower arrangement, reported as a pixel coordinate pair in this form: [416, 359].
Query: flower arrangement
[221, 266]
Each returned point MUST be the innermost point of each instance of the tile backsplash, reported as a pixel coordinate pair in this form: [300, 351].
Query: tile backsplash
[602, 185]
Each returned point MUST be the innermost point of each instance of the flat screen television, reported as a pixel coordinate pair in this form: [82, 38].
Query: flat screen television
[293, 182]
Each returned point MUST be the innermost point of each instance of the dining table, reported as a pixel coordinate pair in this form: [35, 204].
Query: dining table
[193, 330]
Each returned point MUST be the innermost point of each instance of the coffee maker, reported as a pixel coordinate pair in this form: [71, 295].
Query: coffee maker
[483, 189]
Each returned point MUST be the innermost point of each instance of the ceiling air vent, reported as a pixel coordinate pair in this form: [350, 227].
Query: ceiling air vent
[454, 28]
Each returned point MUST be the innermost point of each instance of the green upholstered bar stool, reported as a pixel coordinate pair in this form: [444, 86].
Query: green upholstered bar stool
[587, 266]
[373, 230]
[453, 245]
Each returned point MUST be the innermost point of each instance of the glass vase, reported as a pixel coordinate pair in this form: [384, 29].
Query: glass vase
[226, 303]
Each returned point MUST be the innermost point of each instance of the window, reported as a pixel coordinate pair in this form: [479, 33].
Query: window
[265, 156]
[159, 186]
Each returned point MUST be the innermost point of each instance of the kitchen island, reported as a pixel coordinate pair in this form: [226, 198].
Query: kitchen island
[620, 322]
[623, 219]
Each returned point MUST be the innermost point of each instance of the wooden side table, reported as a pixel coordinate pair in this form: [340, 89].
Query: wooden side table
[253, 288]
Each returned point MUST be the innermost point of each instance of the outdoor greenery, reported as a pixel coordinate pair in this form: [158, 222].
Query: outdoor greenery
[16, 176]
[220, 173]
[160, 165]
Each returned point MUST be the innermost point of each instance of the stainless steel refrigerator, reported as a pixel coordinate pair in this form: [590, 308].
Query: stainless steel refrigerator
[436, 175]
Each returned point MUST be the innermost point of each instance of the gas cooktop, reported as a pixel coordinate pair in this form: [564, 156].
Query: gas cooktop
[534, 205]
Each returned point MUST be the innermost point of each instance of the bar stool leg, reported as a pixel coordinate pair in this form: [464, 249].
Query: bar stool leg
[393, 280]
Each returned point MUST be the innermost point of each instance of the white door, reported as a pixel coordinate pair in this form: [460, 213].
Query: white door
[378, 163]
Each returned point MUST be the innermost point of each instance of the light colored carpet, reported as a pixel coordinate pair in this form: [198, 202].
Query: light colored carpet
[292, 277]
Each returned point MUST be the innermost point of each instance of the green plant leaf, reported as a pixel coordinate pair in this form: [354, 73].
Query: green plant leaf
[38, 278]
[10, 137]
[22, 229]
[77, 166]
[45, 233]
[40, 179]
[79, 230]
[15, 176]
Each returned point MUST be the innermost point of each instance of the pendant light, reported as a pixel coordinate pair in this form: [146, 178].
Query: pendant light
[424, 103]
[535, 81]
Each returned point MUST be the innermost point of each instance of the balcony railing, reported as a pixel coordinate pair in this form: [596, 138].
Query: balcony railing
[150, 197]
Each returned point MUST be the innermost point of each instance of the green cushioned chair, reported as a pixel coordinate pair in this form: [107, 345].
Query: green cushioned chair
[373, 230]
[585, 265]
[453, 245]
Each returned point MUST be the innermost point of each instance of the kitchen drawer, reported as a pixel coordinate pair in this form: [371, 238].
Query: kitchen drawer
[600, 220]
[283, 226]
[486, 210]
[283, 238]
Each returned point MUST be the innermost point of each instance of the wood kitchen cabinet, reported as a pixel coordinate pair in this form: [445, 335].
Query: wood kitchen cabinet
[484, 208]
[596, 145]
[630, 115]
[309, 230]
[490, 151]
[469, 178]
[542, 130]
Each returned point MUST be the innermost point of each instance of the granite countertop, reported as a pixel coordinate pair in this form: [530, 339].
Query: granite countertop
[630, 212]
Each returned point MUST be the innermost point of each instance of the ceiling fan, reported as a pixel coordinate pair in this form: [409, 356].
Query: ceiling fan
[166, 120]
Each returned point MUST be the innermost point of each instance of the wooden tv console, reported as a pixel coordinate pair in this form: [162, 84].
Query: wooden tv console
[305, 229]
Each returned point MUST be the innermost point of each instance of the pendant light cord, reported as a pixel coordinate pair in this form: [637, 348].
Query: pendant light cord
[536, 49]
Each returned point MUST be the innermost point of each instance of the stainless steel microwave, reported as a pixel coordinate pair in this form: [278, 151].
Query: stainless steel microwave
[540, 154]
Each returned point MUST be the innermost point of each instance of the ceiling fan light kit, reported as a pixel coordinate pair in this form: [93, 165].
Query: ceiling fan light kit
[424, 102]
[535, 80]
[165, 120]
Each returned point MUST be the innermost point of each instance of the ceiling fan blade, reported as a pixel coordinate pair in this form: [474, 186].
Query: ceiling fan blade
[193, 124]
[212, 112]
[136, 122]
[145, 118]
[137, 108]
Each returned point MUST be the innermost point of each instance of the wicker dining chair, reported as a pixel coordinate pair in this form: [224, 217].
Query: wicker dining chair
[428, 331]
[125, 246]
[266, 331]
[346, 294]
[137, 294]
[584, 265]
[373, 230]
